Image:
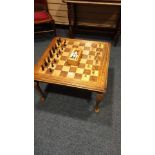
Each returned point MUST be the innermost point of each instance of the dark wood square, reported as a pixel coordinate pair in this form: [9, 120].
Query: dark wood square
[63, 73]
[81, 65]
[93, 78]
[72, 69]
[78, 76]
[87, 71]
[58, 67]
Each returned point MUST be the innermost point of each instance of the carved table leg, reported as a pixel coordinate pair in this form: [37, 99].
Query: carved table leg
[99, 97]
[41, 94]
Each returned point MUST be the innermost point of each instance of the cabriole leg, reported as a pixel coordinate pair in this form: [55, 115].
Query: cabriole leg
[99, 98]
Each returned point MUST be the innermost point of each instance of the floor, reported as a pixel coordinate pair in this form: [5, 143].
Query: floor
[65, 123]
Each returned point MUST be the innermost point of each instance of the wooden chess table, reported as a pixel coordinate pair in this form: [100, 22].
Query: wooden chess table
[90, 73]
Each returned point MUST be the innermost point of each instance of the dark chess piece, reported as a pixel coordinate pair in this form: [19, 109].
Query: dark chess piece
[55, 60]
[50, 69]
[52, 64]
[57, 55]
[51, 55]
[48, 59]
[42, 67]
[46, 64]
[59, 40]
[59, 52]
[56, 46]
[53, 49]
[65, 43]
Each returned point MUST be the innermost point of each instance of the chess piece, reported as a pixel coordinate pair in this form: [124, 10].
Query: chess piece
[57, 55]
[46, 64]
[50, 52]
[48, 59]
[42, 67]
[55, 60]
[50, 69]
[56, 46]
[59, 52]
[53, 49]
[52, 64]
[65, 43]
[60, 40]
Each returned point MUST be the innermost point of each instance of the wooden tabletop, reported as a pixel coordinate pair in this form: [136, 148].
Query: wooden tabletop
[98, 86]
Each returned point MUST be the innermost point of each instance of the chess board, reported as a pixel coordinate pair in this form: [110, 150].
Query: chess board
[90, 73]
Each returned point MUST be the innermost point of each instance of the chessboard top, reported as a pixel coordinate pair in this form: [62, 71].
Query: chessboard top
[63, 74]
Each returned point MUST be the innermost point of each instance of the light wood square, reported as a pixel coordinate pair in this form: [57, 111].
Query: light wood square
[94, 73]
[65, 54]
[88, 66]
[76, 43]
[91, 57]
[41, 71]
[61, 62]
[69, 46]
[71, 75]
[56, 72]
[80, 70]
[66, 68]
[100, 45]
[83, 61]
[88, 44]
[85, 52]
[81, 48]
[85, 77]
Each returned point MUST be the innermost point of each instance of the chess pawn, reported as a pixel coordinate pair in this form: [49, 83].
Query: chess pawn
[56, 46]
[50, 69]
[51, 55]
[46, 64]
[53, 49]
[60, 40]
[55, 60]
[48, 59]
[52, 65]
[42, 67]
[65, 43]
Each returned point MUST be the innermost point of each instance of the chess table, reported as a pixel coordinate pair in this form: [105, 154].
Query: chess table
[91, 73]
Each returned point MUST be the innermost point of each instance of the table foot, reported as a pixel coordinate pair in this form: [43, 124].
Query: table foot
[99, 97]
[97, 109]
